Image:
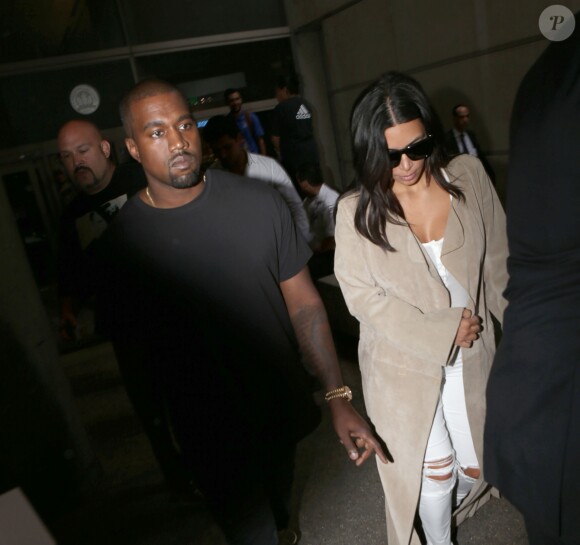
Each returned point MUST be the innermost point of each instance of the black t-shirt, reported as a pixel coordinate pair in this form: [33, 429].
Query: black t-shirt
[82, 224]
[200, 284]
[292, 123]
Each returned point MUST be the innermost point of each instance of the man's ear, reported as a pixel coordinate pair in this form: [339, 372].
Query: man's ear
[106, 148]
[132, 147]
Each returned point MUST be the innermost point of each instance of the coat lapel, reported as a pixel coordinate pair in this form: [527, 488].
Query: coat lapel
[454, 233]
[456, 254]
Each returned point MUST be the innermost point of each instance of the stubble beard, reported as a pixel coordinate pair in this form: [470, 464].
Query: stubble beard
[185, 181]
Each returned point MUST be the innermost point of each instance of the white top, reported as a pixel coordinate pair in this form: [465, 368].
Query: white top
[458, 294]
[270, 171]
[320, 211]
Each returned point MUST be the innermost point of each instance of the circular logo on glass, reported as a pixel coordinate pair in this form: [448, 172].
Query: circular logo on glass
[556, 23]
[84, 99]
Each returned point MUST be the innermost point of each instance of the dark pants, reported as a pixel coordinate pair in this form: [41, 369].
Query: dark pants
[537, 536]
[148, 404]
[250, 500]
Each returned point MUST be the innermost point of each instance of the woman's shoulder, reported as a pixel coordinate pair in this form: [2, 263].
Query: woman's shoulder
[468, 174]
[464, 164]
[347, 203]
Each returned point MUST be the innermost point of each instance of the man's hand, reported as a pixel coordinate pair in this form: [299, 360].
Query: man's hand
[469, 329]
[68, 320]
[354, 432]
[312, 329]
[68, 326]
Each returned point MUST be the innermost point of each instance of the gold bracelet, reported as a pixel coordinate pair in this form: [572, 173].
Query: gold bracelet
[343, 392]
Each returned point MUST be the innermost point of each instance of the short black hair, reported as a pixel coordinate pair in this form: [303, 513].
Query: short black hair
[311, 173]
[218, 126]
[144, 89]
[230, 91]
[290, 82]
[454, 109]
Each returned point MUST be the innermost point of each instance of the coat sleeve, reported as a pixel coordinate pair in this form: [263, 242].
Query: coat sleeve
[429, 336]
[495, 274]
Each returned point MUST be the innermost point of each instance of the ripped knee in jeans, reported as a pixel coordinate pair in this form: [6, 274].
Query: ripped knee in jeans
[471, 472]
[439, 470]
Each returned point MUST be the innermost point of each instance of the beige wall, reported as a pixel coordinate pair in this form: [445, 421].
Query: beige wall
[473, 51]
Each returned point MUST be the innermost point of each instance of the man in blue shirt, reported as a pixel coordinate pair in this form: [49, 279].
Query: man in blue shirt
[248, 122]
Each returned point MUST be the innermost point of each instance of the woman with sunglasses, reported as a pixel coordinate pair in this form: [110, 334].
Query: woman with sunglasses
[421, 259]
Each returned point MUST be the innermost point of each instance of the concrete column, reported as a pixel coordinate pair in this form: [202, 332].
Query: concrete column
[45, 449]
[310, 64]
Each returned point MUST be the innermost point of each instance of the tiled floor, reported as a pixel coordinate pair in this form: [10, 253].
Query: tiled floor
[336, 503]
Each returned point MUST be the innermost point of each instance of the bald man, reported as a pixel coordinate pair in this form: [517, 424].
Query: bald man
[103, 189]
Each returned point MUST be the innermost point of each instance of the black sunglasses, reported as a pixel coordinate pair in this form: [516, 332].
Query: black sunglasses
[419, 150]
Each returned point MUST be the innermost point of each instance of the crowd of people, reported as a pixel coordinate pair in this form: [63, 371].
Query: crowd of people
[421, 251]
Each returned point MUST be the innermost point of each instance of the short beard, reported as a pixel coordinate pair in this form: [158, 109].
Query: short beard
[87, 187]
[185, 181]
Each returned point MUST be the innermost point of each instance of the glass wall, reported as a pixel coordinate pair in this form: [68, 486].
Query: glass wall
[148, 22]
[49, 47]
[34, 105]
[36, 29]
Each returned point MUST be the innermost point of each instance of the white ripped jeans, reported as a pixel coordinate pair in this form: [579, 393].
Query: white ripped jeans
[449, 451]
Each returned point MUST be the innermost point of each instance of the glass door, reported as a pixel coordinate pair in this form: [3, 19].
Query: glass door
[28, 207]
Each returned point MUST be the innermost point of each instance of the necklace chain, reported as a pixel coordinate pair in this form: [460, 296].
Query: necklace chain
[150, 197]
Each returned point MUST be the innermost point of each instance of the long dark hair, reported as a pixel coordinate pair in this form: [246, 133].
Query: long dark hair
[393, 99]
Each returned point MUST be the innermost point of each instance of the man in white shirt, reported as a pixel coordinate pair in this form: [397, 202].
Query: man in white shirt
[224, 138]
[319, 204]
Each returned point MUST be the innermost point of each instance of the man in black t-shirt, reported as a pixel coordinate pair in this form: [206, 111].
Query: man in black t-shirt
[292, 134]
[211, 275]
[103, 189]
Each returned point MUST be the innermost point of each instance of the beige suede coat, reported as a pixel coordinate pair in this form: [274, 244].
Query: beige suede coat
[407, 330]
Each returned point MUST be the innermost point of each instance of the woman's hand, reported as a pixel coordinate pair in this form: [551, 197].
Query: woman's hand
[469, 329]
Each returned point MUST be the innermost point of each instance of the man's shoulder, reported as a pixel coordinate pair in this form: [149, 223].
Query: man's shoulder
[242, 192]
[329, 192]
[262, 165]
[261, 160]
[128, 216]
[129, 177]
[450, 142]
[473, 138]
[78, 206]
[223, 181]
[290, 104]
